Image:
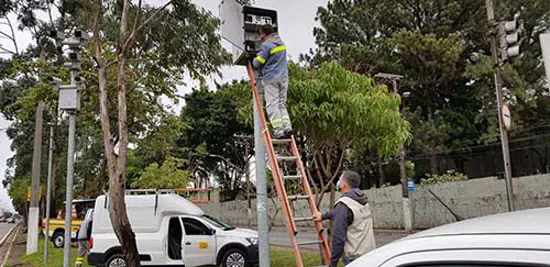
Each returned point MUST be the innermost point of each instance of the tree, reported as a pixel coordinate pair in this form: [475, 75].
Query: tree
[212, 117]
[336, 111]
[441, 48]
[170, 175]
[18, 193]
[170, 41]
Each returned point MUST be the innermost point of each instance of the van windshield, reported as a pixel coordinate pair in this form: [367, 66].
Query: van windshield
[217, 222]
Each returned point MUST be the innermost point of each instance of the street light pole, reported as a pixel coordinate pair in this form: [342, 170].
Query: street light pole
[500, 101]
[49, 193]
[69, 101]
[261, 184]
[407, 204]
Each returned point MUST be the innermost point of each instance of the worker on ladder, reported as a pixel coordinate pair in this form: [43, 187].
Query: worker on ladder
[272, 59]
[353, 233]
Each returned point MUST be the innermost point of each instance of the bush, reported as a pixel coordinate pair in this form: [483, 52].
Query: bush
[449, 176]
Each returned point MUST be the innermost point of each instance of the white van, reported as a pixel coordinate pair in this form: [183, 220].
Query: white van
[171, 231]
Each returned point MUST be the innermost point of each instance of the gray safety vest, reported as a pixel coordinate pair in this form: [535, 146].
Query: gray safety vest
[360, 234]
[83, 231]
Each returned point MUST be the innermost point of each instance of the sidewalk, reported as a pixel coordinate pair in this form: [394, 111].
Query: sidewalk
[17, 242]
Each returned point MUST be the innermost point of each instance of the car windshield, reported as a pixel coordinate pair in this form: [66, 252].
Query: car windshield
[217, 222]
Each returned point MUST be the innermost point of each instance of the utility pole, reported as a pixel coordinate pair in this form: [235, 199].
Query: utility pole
[498, 29]
[58, 36]
[49, 192]
[407, 204]
[69, 101]
[34, 210]
[261, 182]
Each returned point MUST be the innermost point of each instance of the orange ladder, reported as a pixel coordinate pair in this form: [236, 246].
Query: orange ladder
[279, 179]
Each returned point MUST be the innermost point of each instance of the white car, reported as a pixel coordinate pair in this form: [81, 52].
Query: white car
[171, 231]
[519, 238]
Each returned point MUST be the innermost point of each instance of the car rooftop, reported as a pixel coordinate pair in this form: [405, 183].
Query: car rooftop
[533, 221]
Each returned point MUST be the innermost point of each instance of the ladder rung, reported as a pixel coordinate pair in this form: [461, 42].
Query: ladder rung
[284, 158]
[281, 141]
[303, 219]
[305, 243]
[297, 197]
[292, 177]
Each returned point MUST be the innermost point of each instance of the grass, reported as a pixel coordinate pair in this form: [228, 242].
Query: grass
[55, 256]
[279, 257]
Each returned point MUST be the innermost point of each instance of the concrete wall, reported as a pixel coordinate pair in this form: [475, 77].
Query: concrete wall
[472, 198]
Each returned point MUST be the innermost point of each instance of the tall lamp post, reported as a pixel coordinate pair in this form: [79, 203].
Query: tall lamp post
[407, 204]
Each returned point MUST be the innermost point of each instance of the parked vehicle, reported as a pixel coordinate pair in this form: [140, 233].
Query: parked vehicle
[12, 220]
[507, 239]
[171, 231]
[57, 225]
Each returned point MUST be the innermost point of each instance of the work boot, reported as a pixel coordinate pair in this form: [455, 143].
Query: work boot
[288, 133]
[279, 134]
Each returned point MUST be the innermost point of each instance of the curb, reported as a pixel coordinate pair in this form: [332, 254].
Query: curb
[7, 256]
[7, 235]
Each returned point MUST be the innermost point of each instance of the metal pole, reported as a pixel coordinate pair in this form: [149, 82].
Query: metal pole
[70, 178]
[503, 131]
[34, 210]
[247, 173]
[261, 189]
[48, 195]
[407, 204]
[69, 196]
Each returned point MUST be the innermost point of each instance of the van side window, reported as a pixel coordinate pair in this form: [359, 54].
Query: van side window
[194, 227]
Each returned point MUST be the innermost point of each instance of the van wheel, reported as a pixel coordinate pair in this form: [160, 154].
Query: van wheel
[58, 239]
[234, 258]
[116, 260]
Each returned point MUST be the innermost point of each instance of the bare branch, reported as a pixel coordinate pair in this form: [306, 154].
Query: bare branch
[13, 35]
[6, 51]
[6, 35]
[49, 5]
[136, 20]
[149, 19]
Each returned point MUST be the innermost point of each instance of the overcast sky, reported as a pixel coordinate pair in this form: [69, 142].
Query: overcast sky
[296, 22]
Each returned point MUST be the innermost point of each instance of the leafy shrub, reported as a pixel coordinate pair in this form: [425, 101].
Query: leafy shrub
[449, 176]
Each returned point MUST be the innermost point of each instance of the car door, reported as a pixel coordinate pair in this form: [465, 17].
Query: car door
[200, 242]
[471, 258]
[174, 242]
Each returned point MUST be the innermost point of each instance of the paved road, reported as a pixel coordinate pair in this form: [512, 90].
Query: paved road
[279, 237]
[5, 228]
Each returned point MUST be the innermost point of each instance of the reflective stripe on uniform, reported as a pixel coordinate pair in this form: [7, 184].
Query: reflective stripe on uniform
[285, 118]
[276, 123]
[261, 59]
[277, 49]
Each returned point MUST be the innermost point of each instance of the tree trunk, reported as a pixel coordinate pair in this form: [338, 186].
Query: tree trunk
[381, 175]
[434, 168]
[117, 164]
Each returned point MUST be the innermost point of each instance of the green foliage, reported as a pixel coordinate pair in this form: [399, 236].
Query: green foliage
[18, 193]
[334, 106]
[167, 176]
[181, 41]
[441, 49]
[449, 176]
[409, 165]
[212, 120]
